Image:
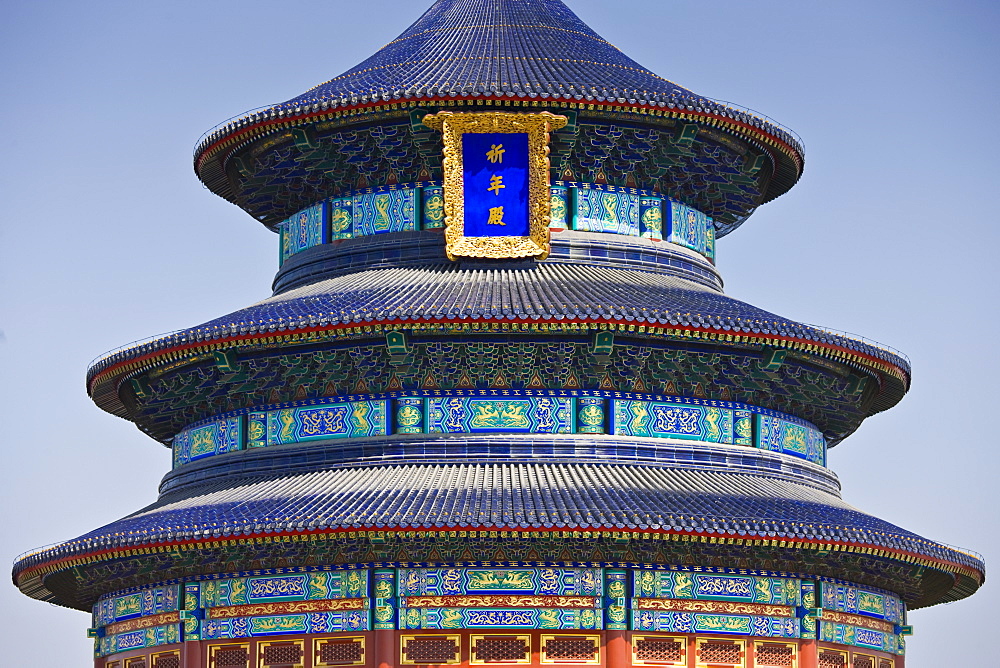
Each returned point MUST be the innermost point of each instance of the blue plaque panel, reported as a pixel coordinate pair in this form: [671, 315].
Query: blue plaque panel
[342, 217]
[606, 211]
[433, 200]
[559, 214]
[304, 230]
[495, 178]
[385, 210]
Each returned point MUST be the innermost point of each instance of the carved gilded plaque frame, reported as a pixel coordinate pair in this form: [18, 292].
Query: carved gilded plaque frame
[534, 240]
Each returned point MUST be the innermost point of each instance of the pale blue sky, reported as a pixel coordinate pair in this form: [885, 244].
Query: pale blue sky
[106, 236]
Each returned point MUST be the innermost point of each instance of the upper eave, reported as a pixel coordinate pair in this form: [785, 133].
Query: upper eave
[216, 148]
[507, 53]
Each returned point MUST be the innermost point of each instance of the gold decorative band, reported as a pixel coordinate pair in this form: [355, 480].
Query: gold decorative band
[259, 609]
[501, 601]
[729, 607]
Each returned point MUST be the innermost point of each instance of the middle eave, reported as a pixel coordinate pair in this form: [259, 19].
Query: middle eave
[549, 300]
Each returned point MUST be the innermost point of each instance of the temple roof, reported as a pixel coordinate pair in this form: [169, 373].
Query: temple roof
[509, 495]
[519, 497]
[498, 47]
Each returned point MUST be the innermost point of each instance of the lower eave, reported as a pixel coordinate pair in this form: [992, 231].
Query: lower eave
[30, 578]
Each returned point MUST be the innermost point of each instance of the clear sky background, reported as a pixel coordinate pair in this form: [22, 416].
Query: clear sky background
[106, 236]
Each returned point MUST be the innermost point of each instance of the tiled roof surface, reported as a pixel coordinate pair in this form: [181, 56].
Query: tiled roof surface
[509, 496]
[498, 47]
[539, 292]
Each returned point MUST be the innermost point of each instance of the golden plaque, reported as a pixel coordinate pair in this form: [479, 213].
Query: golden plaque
[496, 182]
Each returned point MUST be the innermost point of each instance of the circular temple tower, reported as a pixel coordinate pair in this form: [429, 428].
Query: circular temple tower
[498, 409]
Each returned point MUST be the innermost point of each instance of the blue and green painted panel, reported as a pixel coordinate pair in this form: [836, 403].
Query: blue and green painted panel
[348, 419]
[857, 601]
[797, 440]
[713, 587]
[857, 636]
[305, 229]
[433, 207]
[528, 415]
[503, 411]
[692, 229]
[809, 622]
[274, 589]
[591, 414]
[410, 415]
[214, 438]
[578, 206]
[743, 427]
[651, 217]
[518, 618]
[151, 637]
[192, 601]
[313, 622]
[502, 581]
[605, 211]
[341, 217]
[385, 210]
[694, 622]
[384, 593]
[559, 201]
[469, 581]
[616, 598]
[146, 602]
[661, 419]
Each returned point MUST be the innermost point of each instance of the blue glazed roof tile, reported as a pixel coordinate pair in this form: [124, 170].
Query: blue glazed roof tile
[565, 496]
[546, 291]
[536, 49]
[497, 47]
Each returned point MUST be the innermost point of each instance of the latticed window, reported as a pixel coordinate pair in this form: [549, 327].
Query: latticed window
[832, 660]
[774, 656]
[231, 657]
[279, 656]
[861, 661]
[500, 649]
[885, 663]
[170, 661]
[570, 649]
[659, 649]
[138, 662]
[720, 651]
[341, 652]
[431, 649]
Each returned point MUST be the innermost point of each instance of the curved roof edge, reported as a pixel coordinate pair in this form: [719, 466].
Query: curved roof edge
[633, 502]
[239, 131]
[322, 311]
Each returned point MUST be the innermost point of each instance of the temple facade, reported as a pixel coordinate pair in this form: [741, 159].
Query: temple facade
[499, 409]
